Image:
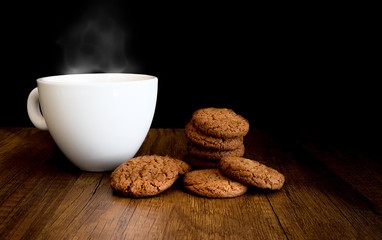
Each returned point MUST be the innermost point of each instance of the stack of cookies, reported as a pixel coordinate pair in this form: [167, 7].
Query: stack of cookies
[214, 133]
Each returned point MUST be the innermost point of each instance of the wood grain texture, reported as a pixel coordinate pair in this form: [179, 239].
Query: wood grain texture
[330, 193]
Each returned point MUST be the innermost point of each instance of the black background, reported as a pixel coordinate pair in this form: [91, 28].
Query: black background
[284, 67]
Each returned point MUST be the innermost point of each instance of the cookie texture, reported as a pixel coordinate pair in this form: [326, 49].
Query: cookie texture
[146, 176]
[220, 122]
[214, 154]
[212, 183]
[183, 167]
[251, 173]
[202, 140]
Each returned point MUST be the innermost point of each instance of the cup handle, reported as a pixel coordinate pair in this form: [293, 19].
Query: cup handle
[33, 107]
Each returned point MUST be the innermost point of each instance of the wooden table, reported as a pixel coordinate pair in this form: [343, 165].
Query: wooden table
[330, 193]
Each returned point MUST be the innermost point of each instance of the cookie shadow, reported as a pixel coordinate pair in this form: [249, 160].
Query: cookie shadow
[259, 191]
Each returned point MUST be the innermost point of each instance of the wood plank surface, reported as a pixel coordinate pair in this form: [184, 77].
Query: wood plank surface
[330, 193]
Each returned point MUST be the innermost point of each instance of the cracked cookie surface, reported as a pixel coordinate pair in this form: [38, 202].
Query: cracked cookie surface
[146, 176]
[251, 173]
[220, 122]
[212, 183]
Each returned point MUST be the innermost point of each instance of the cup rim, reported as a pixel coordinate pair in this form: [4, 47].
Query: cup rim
[95, 78]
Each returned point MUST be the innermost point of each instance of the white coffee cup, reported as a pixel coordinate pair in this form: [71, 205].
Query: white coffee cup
[98, 120]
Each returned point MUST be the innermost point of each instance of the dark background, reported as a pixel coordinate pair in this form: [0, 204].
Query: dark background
[286, 68]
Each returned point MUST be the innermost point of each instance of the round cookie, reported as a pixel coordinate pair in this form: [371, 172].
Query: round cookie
[145, 176]
[212, 183]
[214, 154]
[210, 142]
[220, 122]
[252, 173]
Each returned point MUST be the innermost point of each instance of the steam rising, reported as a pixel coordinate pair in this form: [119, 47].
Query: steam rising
[97, 44]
